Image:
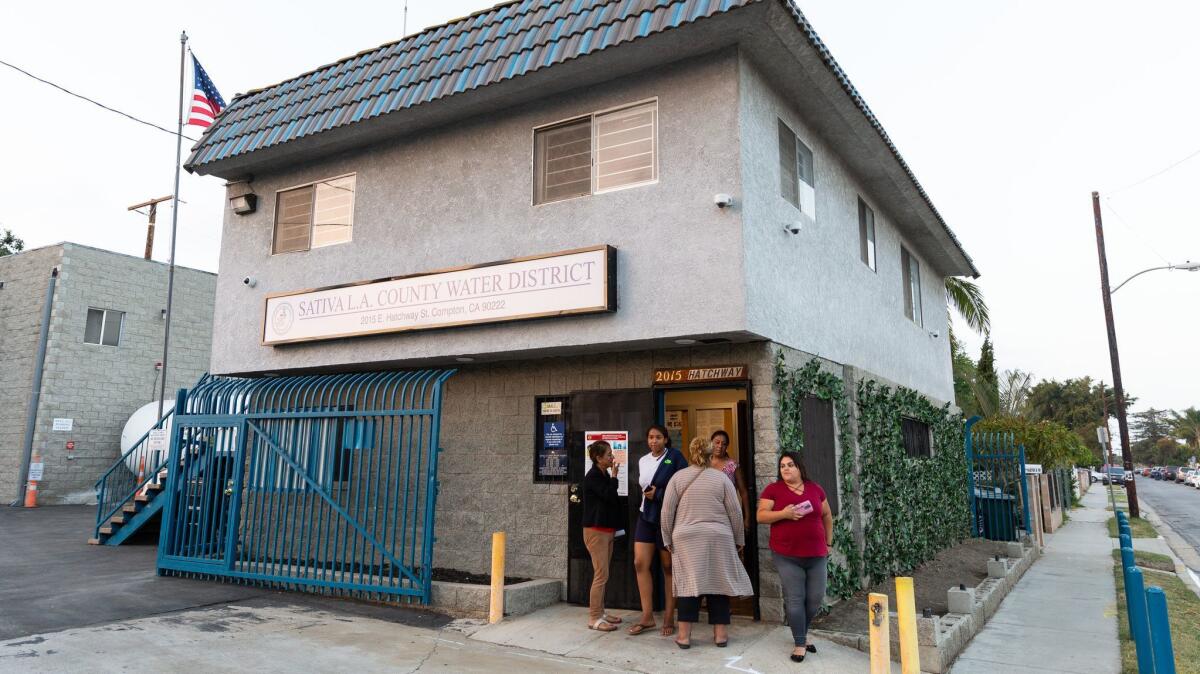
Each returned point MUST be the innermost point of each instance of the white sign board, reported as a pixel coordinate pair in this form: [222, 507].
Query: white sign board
[1102, 435]
[157, 440]
[559, 284]
[551, 408]
[1033, 469]
[64, 424]
[619, 440]
[35, 470]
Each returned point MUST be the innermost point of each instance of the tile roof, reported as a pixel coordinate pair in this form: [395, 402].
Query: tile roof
[504, 42]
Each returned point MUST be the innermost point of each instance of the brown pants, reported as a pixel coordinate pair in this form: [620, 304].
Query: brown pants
[599, 545]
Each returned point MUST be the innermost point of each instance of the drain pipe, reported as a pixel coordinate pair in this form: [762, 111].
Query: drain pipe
[36, 394]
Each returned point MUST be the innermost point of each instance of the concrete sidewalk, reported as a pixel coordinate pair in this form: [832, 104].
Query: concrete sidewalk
[1062, 616]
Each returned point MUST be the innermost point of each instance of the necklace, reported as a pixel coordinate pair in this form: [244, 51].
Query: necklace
[798, 491]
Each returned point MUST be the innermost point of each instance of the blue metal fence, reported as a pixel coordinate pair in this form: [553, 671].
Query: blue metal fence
[324, 483]
[996, 485]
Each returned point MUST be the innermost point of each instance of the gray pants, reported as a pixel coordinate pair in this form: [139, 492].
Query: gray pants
[803, 580]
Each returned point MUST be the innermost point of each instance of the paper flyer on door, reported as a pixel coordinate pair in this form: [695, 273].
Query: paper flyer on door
[619, 440]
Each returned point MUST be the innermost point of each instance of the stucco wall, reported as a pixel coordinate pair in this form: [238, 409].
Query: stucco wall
[100, 386]
[22, 300]
[810, 290]
[462, 195]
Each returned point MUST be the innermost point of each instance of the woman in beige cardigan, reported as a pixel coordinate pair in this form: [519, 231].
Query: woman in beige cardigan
[701, 525]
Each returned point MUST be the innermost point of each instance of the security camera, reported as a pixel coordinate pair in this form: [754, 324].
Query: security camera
[723, 200]
[792, 228]
[935, 334]
[249, 281]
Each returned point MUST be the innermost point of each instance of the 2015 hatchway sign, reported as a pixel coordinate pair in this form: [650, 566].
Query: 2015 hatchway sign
[572, 282]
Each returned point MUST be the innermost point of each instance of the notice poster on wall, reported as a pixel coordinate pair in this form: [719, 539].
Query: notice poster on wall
[619, 440]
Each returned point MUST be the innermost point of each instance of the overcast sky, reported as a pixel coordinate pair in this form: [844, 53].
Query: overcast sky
[1009, 113]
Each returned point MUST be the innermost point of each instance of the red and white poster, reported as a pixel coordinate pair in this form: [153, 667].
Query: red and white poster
[619, 440]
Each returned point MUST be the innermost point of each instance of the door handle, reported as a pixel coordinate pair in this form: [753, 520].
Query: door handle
[574, 498]
[229, 488]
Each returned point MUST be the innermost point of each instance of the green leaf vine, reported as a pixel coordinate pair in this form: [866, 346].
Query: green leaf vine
[912, 507]
[793, 385]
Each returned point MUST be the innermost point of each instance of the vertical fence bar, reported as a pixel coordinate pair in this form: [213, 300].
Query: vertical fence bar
[1025, 492]
[968, 449]
[1160, 631]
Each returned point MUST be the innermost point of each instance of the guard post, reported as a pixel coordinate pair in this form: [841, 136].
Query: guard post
[906, 623]
[1135, 597]
[1160, 631]
[881, 637]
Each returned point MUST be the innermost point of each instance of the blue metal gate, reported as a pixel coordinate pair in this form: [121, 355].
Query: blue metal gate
[324, 483]
[996, 484]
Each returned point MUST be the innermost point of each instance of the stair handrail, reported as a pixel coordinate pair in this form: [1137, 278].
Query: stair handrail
[103, 513]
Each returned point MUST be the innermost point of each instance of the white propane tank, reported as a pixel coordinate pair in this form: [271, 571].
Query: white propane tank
[138, 424]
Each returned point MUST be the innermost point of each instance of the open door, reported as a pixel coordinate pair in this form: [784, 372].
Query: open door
[625, 410]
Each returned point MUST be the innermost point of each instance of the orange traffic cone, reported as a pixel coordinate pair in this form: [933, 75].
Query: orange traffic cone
[31, 486]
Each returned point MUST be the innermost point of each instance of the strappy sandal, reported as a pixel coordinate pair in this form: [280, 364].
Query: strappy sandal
[602, 625]
[638, 628]
[612, 619]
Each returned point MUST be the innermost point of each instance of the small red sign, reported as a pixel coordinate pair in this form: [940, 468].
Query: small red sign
[70, 444]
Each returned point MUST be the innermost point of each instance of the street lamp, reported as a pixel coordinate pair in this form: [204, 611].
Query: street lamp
[1106, 292]
[1186, 266]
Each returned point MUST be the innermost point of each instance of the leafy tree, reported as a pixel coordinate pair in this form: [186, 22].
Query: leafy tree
[1186, 426]
[1079, 404]
[1046, 442]
[987, 388]
[1014, 392]
[964, 379]
[9, 243]
[1168, 452]
[1146, 429]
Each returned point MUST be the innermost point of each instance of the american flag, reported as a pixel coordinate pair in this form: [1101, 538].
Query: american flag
[206, 100]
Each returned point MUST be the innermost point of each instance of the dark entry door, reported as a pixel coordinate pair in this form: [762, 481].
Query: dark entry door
[820, 450]
[632, 411]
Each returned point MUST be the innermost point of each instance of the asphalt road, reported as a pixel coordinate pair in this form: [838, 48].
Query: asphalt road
[1177, 504]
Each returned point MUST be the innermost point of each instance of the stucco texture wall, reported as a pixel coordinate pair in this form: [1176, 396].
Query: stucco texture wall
[810, 290]
[22, 299]
[462, 195]
[99, 386]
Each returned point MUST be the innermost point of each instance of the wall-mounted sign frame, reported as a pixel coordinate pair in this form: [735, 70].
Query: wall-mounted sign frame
[550, 459]
[697, 375]
[567, 283]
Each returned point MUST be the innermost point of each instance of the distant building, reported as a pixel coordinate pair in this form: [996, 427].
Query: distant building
[102, 356]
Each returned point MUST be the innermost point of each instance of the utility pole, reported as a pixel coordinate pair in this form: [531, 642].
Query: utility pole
[1122, 424]
[153, 204]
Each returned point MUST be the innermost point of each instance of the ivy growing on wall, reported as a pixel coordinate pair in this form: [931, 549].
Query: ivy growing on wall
[793, 386]
[915, 506]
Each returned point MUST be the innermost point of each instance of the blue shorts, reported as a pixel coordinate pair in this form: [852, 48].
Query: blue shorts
[646, 532]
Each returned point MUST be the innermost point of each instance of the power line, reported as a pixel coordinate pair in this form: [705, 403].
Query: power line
[97, 103]
[1144, 240]
[1154, 175]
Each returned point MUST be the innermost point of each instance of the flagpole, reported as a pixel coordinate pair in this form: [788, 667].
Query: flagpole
[162, 390]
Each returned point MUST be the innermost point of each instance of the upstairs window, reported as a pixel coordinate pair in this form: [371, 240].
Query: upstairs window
[796, 179]
[104, 327]
[598, 153]
[912, 286]
[917, 442]
[315, 215]
[866, 234]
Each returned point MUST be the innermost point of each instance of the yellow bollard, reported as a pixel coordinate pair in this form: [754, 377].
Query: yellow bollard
[906, 621]
[496, 612]
[881, 638]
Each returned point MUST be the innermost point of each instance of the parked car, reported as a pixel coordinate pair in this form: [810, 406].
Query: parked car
[1168, 474]
[1115, 476]
[1182, 475]
[1156, 473]
[1194, 480]
[1146, 472]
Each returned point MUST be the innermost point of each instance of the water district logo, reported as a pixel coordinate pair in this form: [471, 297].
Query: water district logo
[282, 317]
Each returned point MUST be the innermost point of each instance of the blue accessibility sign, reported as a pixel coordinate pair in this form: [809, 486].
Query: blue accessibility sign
[554, 436]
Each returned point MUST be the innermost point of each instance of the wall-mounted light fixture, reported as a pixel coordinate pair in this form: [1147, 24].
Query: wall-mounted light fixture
[162, 314]
[242, 198]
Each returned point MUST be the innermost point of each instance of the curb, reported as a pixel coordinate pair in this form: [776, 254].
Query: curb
[1180, 550]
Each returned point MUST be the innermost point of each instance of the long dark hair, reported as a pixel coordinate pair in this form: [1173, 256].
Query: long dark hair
[795, 457]
[663, 430]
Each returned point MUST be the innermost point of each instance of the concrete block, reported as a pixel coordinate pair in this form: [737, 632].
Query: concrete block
[928, 631]
[1015, 550]
[996, 569]
[960, 601]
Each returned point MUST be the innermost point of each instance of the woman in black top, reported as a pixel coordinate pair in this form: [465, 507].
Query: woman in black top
[601, 520]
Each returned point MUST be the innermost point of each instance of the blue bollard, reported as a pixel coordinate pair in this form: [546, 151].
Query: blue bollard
[1122, 517]
[1126, 540]
[1127, 558]
[1139, 625]
[1160, 631]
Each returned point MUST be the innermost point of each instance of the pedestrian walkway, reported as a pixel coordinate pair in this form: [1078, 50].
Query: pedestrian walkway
[1062, 616]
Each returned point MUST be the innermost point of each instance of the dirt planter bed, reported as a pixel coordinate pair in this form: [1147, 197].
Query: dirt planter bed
[956, 614]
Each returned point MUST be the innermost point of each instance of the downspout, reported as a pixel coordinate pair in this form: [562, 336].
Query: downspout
[36, 394]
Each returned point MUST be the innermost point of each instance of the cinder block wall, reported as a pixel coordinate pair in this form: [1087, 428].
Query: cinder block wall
[98, 386]
[25, 277]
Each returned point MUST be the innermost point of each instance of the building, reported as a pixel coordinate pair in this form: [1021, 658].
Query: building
[102, 360]
[677, 191]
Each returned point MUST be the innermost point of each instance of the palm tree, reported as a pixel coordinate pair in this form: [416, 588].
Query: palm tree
[1014, 392]
[966, 298]
[1186, 426]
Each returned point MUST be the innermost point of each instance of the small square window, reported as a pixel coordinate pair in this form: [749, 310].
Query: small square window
[911, 269]
[311, 216]
[866, 234]
[103, 327]
[917, 439]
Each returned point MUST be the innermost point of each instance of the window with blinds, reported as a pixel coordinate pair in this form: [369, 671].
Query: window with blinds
[315, 215]
[598, 153]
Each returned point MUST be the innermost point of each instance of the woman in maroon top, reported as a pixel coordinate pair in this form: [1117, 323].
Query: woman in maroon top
[801, 533]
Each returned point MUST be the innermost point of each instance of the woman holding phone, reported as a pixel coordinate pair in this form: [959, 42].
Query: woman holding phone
[601, 519]
[655, 470]
[801, 533]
